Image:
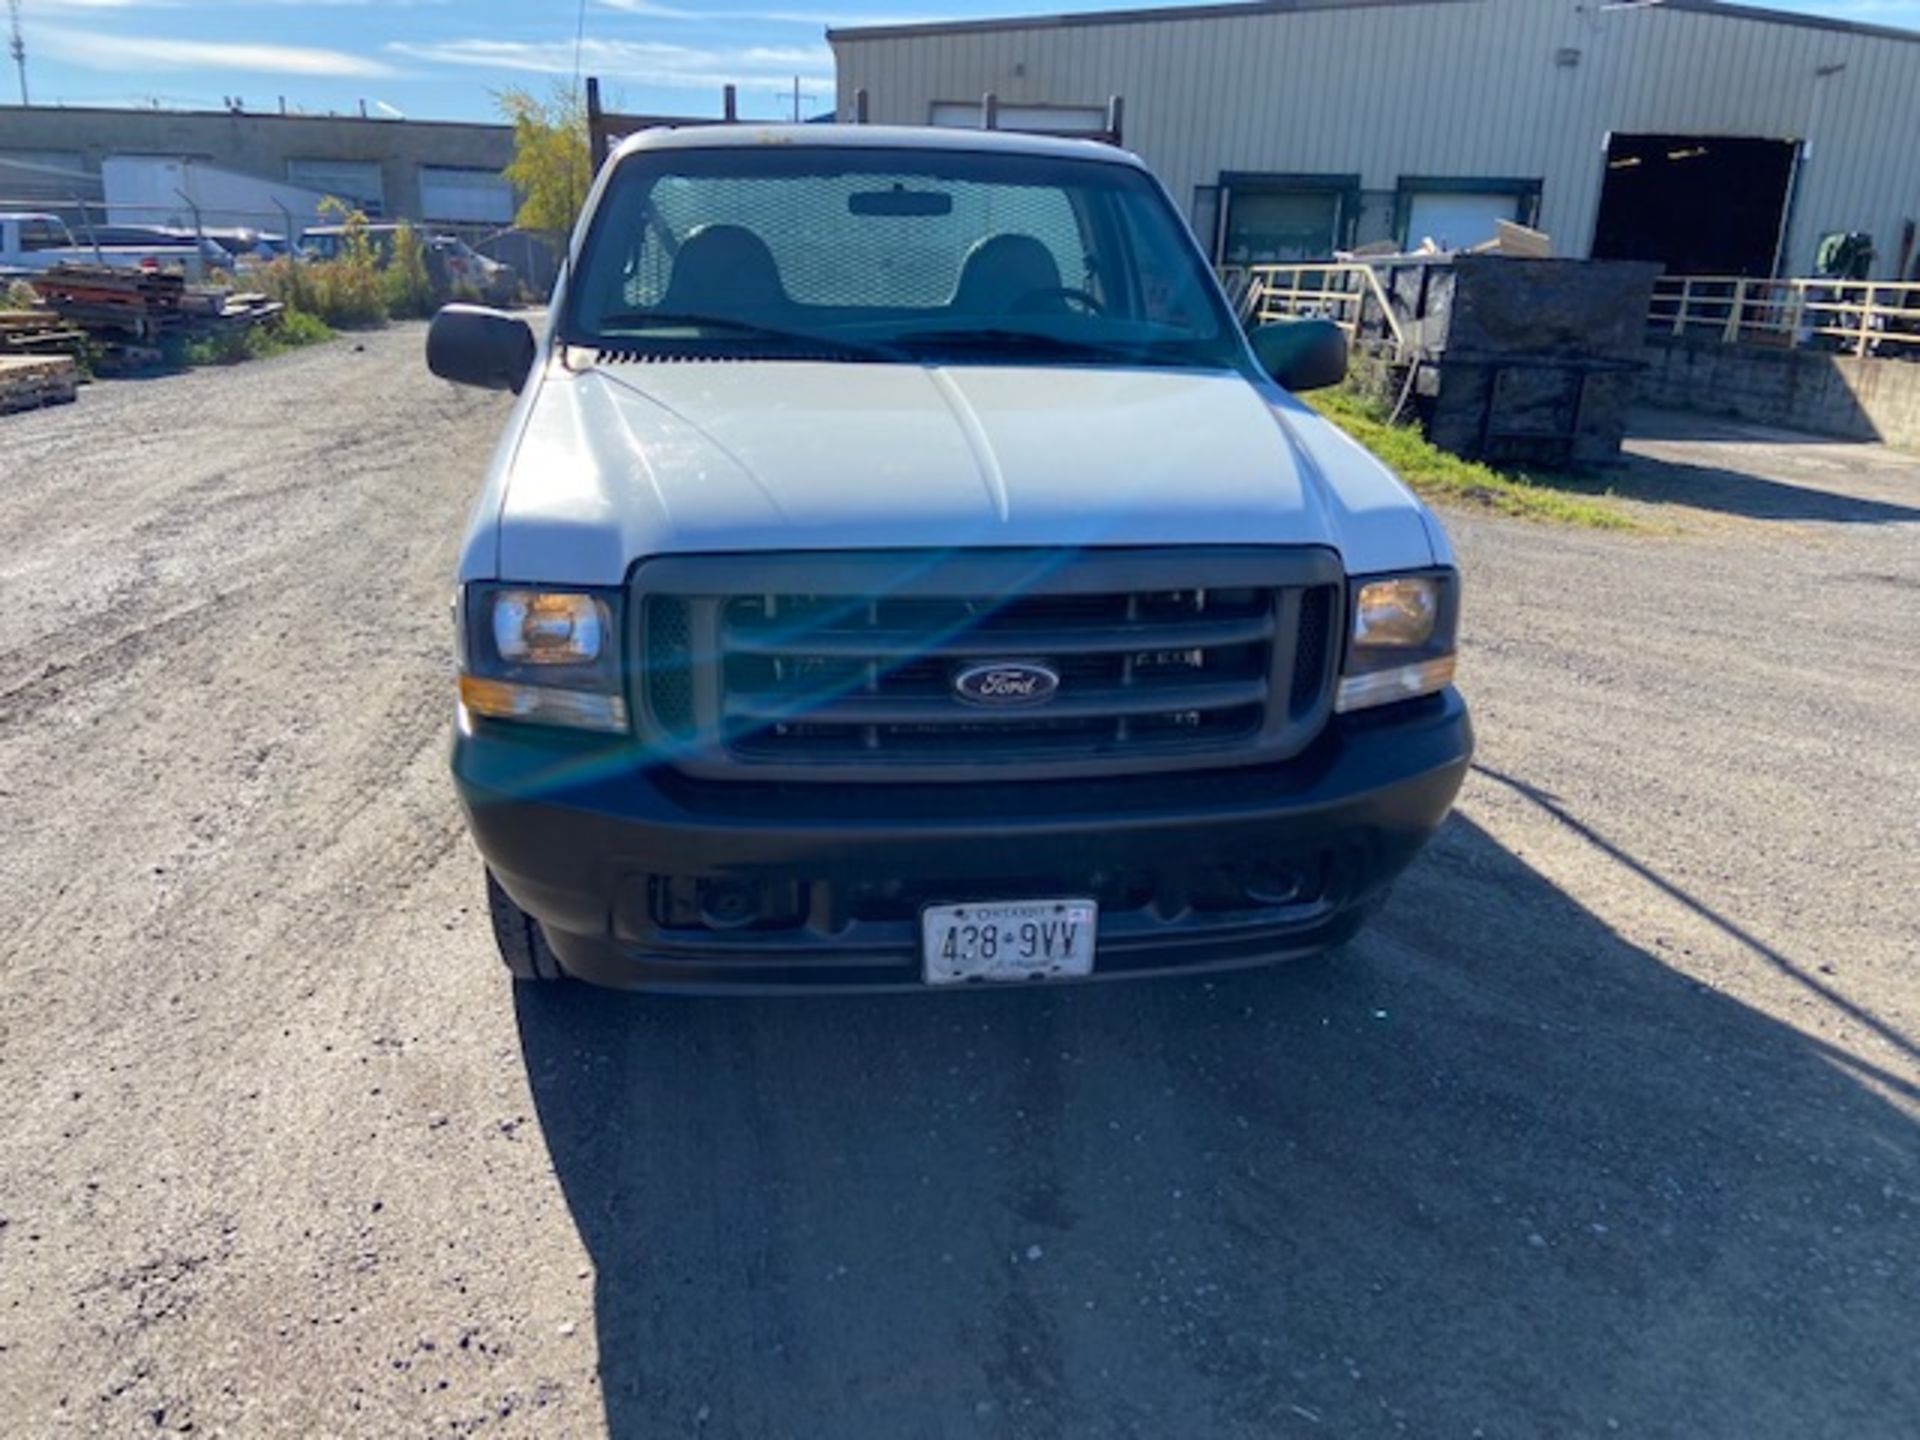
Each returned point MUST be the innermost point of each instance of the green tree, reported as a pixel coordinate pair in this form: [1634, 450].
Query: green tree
[551, 168]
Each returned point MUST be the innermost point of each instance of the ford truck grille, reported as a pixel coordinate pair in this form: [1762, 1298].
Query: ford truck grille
[855, 666]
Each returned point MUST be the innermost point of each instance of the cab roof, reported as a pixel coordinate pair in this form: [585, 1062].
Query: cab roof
[881, 137]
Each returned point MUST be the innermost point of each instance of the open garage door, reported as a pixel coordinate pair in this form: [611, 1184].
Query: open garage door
[1699, 204]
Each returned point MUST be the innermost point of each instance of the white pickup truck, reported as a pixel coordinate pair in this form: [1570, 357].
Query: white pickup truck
[31, 241]
[900, 570]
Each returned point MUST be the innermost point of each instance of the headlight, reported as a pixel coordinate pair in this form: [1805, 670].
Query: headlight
[1400, 611]
[549, 657]
[533, 627]
[1401, 644]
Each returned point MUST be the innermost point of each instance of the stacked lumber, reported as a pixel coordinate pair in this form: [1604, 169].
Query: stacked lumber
[126, 320]
[209, 309]
[30, 381]
[38, 332]
[143, 304]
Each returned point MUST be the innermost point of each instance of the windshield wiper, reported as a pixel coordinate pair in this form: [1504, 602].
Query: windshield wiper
[747, 329]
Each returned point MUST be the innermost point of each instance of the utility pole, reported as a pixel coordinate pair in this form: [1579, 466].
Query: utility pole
[796, 99]
[17, 47]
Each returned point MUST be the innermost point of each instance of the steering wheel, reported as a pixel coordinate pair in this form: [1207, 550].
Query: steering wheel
[1028, 303]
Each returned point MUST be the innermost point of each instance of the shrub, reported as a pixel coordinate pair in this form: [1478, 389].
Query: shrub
[297, 327]
[405, 285]
[19, 295]
[346, 292]
[293, 329]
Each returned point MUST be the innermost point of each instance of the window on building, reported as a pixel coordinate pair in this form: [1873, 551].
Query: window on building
[1378, 219]
[1285, 219]
[1458, 212]
[459, 194]
[1205, 216]
[358, 181]
[1038, 119]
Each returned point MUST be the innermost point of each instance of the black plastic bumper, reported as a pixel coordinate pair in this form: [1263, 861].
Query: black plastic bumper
[1198, 870]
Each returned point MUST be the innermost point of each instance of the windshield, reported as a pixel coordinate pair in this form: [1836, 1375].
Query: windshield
[908, 254]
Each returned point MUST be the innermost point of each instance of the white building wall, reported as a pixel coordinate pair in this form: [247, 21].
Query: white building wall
[1448, 88]
[164, 190]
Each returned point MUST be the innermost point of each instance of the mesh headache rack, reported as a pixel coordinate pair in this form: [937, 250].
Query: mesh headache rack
[1097, 662]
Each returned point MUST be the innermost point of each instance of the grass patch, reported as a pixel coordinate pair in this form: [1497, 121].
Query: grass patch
[1437, 475]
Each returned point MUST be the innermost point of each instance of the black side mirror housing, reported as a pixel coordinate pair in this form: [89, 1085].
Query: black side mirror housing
[1301, 354]
[474, 345]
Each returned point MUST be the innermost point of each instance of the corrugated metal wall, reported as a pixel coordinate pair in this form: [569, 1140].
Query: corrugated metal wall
[1453, 88]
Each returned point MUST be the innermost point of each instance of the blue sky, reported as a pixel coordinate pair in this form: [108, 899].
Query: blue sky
[444, 59]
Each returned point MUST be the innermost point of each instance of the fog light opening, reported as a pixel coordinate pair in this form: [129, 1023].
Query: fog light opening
[727, 904]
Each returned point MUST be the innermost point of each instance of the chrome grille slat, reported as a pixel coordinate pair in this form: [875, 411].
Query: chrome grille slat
[857, 709]
[885, 644]
[841, 666]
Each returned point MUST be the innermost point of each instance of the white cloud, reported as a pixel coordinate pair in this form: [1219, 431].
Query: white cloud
[642, 62]
[103, 4]
[648, 7]
[43, 6]
[148, 52]
[822, 18]
[1873, 12]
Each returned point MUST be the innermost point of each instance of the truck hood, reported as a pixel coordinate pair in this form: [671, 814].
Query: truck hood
[626, 460]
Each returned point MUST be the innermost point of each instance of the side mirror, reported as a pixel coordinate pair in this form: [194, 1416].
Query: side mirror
[472, 345]
[1301, 354]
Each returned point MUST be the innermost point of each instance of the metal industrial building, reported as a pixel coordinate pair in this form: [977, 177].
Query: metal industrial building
[446, 171]
[1715, 138]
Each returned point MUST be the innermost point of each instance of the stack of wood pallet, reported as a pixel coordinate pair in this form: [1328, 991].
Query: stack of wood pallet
[140, 304]
[120, 321]
[30, 381]
[209, 309]
[38, 332]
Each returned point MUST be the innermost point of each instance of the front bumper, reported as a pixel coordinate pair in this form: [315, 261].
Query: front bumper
[643, 878]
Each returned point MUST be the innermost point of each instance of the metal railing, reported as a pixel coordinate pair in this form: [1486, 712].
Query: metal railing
[1349, 293]
[1856, 317]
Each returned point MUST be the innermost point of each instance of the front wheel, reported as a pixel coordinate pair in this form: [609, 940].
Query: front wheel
[523, 946]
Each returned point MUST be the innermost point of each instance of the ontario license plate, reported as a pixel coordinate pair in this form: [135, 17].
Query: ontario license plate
[1009, 940]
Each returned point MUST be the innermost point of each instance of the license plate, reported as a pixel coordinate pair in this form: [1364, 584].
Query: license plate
[1008, 940]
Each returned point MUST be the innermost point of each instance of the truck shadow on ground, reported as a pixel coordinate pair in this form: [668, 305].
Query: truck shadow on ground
[1662, 422]
[1491, 1167]
[1740, 492]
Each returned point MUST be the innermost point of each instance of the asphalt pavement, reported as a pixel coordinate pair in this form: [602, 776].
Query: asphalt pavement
[1607, 1125]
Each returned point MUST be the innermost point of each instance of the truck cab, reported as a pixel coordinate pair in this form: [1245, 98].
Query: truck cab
[32, 241]
[900, 570]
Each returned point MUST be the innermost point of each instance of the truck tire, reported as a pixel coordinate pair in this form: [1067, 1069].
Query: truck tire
[523, 948]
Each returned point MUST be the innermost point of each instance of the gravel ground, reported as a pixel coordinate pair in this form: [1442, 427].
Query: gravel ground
[1608, 1124]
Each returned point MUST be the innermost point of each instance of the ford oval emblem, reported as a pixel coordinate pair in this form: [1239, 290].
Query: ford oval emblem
[1006, 682]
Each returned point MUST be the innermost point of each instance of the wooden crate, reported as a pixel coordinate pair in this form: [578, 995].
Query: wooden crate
[30, 381]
